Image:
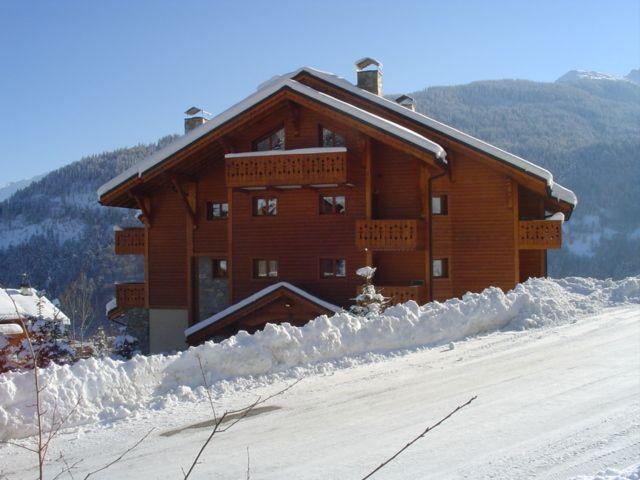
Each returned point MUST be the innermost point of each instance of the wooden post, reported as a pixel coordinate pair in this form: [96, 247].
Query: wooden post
[368, 194]
[512, 188]
[230, 245]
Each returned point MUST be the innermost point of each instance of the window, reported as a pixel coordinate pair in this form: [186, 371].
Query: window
[330, 139]
[265, 268]
[440, 268]
[272, 141]
[217, 210]
[439, 205]
[330, 268]
[265, 207]
[219, 268]
[332, 204]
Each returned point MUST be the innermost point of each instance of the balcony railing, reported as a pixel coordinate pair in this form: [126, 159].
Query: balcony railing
[540, 234]
[401, 294]
[294, 167]
[390, 234]
[130, 241]
[130, 295]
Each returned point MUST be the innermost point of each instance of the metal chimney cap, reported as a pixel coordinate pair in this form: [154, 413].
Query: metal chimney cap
[367, 62]
[195, 111]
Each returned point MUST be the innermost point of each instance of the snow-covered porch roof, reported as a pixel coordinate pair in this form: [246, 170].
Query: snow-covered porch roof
[29, 306]
[237, 308]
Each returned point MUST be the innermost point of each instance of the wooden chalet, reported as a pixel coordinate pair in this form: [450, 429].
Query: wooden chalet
[264, 212]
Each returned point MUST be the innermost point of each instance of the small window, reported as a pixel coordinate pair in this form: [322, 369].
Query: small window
[330, 267]
[265, 207]
[441, 268]
[332, 204]
[219, 268]
[272, 141]
[217, 210]
[439, 205]
[330, 139]
[265, 268]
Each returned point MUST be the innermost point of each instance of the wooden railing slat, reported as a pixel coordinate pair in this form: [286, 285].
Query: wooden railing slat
[388, 234]
[539, 234]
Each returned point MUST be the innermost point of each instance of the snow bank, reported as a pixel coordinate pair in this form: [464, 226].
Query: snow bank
[110, 389]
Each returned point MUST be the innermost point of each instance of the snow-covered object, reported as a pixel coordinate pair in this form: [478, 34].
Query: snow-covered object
[283, 83]
[270, 153]
[110, 305]
[366, 272]
[556, 216]
[257, 296]
[10, 329]
[109, 389]
[629, 473]
[29, 306]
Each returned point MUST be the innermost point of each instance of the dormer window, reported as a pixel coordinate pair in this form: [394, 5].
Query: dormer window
[272, 141]
[329, 138]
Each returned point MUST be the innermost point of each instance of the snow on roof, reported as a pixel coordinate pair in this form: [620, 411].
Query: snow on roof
[269, 153]
[256, 296]
[557, 191]
[10, 329]
[28, 306]
[278, 82]
[269, 89]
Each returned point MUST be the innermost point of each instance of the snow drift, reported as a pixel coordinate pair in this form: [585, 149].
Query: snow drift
[108, 389]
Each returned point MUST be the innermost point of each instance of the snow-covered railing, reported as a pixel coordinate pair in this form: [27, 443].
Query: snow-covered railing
[129, 241]
[401, 294]
[539, 234]
[308, 166]
[389, 234]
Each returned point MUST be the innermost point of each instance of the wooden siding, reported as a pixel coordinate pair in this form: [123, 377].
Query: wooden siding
[210, 237]
[167, 251]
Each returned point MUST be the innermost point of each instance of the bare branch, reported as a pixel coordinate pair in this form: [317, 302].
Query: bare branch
[128, 450]
[248, 465]
[427, 430]
[206, 386]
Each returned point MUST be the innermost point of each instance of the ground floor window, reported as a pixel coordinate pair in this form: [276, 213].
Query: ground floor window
[440, 268]
[439, 205]
[333, 267]
[263, 268]
[219, 268]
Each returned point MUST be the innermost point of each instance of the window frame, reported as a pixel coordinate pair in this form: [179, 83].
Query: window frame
[334, 135]
[255, 262]
[270, 135]
[322, 261]
[333, 197]
[254, 206]
[444, 205]
[444, 267]
[211, 216]
[216, 268]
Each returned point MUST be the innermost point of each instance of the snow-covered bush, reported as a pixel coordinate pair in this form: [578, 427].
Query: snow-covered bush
[125, 346]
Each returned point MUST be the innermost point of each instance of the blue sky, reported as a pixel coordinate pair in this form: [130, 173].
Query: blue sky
[82, 77]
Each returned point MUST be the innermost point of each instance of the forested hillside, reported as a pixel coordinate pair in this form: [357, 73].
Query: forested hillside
[585, 129]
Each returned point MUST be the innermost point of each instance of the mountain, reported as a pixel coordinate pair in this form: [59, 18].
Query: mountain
[54, 228]
[8, 189]
[584, 128]
[634, 76]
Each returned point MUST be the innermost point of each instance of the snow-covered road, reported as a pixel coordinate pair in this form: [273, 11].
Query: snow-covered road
[554, 403]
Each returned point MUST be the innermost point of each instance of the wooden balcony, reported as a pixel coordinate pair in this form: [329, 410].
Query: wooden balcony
[401, 294]
[390, 234]
[128, 296]
[130, 241]
[539, 234]
[254, 169]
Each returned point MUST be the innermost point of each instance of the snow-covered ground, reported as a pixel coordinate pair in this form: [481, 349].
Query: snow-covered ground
[560, 400]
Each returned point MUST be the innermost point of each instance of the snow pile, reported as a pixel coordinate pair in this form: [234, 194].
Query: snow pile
[631, 473]
[110, 389]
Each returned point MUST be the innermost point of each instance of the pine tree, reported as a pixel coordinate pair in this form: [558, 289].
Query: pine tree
[369, 300]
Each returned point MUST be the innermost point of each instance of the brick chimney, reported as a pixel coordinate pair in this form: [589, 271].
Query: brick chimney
[194, 118]
[369, 71]
[407, 102]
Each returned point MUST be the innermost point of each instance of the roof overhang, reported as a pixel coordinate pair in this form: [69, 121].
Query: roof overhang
[292, 90]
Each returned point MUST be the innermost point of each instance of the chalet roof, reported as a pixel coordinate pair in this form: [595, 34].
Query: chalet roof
[556, 190]
[255, 297]
[266, 91]
[277, 83]
[29, 306]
